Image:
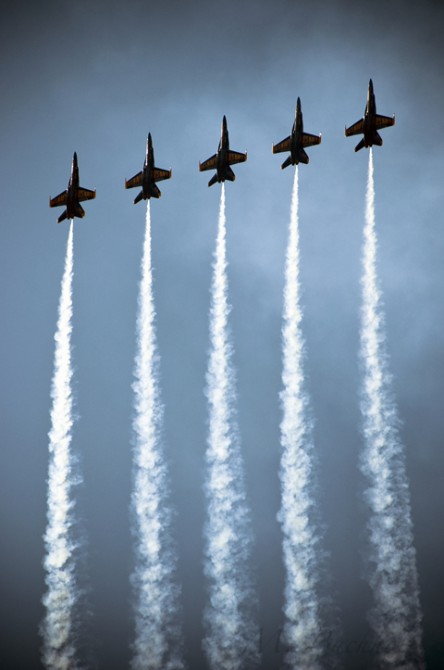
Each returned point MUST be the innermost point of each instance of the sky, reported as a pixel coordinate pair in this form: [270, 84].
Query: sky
[95, 77]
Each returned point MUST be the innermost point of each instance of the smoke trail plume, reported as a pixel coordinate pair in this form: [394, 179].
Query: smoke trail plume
[231, 641]
[302, 626]
[396, 614]
[157, 644]
[60, 600]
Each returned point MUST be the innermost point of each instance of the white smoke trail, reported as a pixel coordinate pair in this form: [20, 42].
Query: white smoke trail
[61, 597]
[231, 641]
[157, 643]
[396, 614]
[302, 626]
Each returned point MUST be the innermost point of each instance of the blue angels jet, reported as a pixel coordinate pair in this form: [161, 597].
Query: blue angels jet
[370, 123]
[222, 160]
[297, 142]
[73, 196]
[148, 176]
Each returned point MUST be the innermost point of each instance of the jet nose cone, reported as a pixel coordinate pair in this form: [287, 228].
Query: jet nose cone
[75, 156]
[370, 85]
[149, 138]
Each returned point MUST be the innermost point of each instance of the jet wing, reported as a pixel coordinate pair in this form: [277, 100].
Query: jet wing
[209, 164]
[59, 200]
[236, 157]
[384, 121]
[160, 175]
[134, 181]
[85, 194]
[356, 129]
[285, 145]
[310, 140]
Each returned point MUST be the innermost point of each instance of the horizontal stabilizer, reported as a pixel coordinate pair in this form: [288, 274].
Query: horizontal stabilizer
[302, 157]
[287, 162]
[62, 217]
[229, 174]
[213, 180]
[360, 145]
[377, 139]
[138, 198]
[155, 191]
[79, 211]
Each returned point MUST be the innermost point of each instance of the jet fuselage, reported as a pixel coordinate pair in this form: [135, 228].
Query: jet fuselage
[297, 141]
[297, 152]
[148, 182]
[72, 196]
[370, 123]
[222, 159]
[147, 177]
[73, 185]
[222, 153]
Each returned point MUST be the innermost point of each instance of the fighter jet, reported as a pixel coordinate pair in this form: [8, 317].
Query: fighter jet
[370, 123]
[73, 196]
[148, 176]
[222, 160]
[297, 141]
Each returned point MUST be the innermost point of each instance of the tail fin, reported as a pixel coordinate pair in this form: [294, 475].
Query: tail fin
[213, 180]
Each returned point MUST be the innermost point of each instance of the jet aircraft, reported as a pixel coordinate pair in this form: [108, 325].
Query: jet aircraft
[73, 196]
[222, 160]
[370, 123]
[148, 176]
[297, 141]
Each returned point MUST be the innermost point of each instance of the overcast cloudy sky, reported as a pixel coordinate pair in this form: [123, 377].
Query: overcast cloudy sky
[95, 77]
